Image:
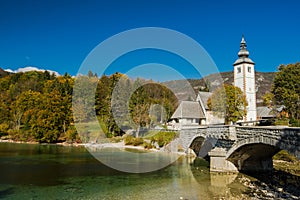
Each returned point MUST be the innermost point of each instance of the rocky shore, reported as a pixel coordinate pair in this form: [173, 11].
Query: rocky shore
[259, 189]
[281, 183]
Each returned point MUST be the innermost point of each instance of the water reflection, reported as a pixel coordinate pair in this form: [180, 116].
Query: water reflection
[132, 161]
[56, 172]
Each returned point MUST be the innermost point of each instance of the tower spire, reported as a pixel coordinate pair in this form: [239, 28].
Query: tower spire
[243, 48]
[244, 78]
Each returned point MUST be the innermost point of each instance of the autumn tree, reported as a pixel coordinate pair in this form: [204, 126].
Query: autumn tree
[286, 89]
[228, 102]
[36, 106]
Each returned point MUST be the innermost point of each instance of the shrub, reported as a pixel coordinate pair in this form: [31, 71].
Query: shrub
[282, 122]
[71, 134]
[128, 140]
[147, 145]
[160, 141]
[295, 122]
[163, 138]
[116, 139]
[137, 141]
[4, 129]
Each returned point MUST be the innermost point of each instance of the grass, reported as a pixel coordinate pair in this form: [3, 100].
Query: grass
[283, 161]
[282, 122]
[90, 131]
[285, 156]
[163, 137]
[130, 140]
[151, 134]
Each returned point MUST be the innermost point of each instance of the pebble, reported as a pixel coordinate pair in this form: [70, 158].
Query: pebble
[269, 194]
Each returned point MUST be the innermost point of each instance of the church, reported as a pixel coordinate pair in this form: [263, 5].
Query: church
[191, 114]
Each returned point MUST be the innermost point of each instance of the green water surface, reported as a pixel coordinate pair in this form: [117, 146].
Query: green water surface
[30, 171]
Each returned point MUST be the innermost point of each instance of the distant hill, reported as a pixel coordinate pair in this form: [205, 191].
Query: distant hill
[3, 73]
[263, 82]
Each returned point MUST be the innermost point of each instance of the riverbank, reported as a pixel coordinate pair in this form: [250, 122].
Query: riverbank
[261, 188]
[30, 142]
[119, 145]
[281, 183]
[122, 145]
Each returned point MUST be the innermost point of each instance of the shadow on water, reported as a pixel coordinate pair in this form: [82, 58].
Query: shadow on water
[6, 192]
[219, 185]
[46, 165]
[276, 179]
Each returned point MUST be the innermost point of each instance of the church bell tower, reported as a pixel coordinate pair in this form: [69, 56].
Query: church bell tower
[244, 78]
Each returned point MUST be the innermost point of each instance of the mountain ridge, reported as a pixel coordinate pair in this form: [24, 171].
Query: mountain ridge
[263, 82]
[3, 73]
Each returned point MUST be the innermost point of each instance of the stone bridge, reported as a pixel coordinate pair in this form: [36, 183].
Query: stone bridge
[240, 148]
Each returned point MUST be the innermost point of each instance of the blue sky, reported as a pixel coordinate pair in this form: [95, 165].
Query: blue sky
[58, 35]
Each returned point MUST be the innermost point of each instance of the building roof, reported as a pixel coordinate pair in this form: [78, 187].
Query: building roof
[189, 109]
[243, 60]
[243, 54]
[203, 97]
[264, 111]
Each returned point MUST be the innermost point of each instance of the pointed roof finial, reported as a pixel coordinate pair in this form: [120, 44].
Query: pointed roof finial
[243, 42]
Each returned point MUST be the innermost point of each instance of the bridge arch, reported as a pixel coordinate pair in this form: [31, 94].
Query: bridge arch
[202, 144]
[196, 142]
[254, 154]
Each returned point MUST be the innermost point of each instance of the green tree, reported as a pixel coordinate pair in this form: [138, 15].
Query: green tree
[84, 98]
[139, 106]
[105, 107]
[286, 89]
[268, 99]
[229, 102]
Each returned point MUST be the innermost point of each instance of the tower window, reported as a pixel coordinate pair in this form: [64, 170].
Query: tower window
[249, 69]
[238, 70]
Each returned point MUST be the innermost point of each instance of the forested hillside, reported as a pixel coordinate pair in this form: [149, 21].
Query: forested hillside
[37, 106]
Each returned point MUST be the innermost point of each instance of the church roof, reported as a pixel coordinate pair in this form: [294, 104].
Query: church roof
[264, 111]
[189, 109]
[204, 96]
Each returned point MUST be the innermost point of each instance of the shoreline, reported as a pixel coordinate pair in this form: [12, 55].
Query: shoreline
[119, 145]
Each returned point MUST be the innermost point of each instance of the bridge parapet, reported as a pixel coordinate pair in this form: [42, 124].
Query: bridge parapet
[246, 147]
[222, 132]
[252, 132]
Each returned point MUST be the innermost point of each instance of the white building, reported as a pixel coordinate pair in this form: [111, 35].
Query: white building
[196, 113]
[191, 114]
[188, 115]
[244, 78]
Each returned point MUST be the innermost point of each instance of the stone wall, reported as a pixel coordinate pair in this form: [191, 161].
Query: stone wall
[233, 138]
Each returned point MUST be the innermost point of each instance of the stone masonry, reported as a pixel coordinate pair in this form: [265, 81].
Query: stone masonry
[240, 148]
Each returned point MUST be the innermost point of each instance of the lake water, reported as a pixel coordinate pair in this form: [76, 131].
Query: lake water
[29, 171]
